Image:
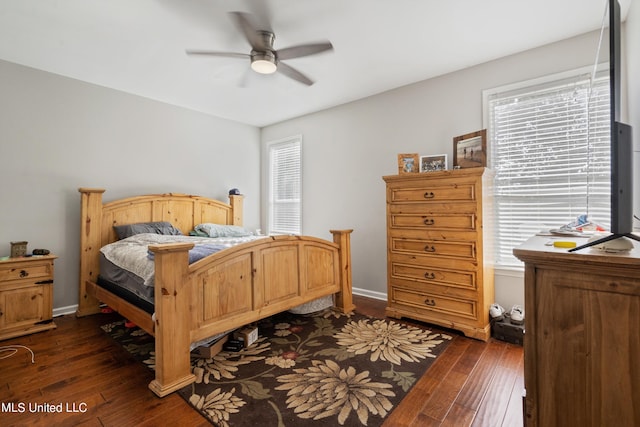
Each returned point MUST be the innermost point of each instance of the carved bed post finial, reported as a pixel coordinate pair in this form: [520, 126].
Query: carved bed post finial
[344, 299]
[90, 229]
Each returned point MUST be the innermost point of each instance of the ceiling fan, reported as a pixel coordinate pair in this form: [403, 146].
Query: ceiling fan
[264, 58]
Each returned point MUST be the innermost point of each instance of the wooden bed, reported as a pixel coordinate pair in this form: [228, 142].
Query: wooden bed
[220, 292]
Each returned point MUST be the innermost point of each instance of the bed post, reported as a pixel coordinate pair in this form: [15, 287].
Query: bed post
[344, 298]
[90, 229]
[236, 209]
[172, 318]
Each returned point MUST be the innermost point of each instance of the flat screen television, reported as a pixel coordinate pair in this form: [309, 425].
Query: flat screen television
[621, 143]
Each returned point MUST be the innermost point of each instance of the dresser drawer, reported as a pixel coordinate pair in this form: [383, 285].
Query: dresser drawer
[434, 221]
[436, 192]
[438, 248]
[424, 301]
[437, 275]
[26, 271]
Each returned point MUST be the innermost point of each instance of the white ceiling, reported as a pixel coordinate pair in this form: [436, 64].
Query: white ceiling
[138, 46]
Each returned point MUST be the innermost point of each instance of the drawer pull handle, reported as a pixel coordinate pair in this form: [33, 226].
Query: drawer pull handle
[429, 248]
[23, 273]
[429, 275]
[429, 195]
[429, 221]
[430, 302]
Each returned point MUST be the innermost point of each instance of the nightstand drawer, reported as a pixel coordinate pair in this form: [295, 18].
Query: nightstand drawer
[34, 303]
[34, 270]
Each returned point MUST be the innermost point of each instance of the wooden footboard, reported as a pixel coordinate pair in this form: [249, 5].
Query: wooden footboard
[235, 287]
[219, 293]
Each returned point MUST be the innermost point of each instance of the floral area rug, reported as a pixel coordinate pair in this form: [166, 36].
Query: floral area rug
[324, 369]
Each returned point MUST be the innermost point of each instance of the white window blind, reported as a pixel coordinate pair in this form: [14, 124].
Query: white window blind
[285, 184]
[550, 146]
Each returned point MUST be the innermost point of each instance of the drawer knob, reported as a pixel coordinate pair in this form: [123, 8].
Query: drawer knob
[23, 273]
[429, 221]
[429, 275]
[429, 248]
[430, 302]
[429, 195]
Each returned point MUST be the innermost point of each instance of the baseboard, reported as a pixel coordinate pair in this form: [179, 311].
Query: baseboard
[61, 311]
[370, 294]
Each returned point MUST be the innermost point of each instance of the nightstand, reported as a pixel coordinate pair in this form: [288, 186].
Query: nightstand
[26, 295]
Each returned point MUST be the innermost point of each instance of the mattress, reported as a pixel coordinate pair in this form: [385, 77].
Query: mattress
[125, 284]
[127, 266]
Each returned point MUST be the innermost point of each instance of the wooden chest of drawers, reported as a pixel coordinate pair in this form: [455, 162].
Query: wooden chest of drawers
[438, 249]
[26, 295]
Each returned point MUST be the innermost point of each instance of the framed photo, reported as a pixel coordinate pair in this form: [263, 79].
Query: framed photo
[408, 163]
[433, 163]
[470, 150]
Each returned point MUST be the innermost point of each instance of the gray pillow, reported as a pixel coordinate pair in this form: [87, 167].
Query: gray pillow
[160, 227]
[220, 230]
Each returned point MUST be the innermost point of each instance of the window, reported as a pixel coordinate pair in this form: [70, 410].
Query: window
[285, 184]
[549, 148]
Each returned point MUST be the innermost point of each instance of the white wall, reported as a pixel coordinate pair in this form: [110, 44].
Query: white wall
[58, 134]
[347, 149]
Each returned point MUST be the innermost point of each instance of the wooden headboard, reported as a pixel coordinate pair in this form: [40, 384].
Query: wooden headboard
[182, 210]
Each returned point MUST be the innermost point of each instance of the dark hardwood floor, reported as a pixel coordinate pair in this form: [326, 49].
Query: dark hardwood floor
[99, 384]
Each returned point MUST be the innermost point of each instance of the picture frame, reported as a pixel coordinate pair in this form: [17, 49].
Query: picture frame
[408, 163]
[433, 163]
[470, 150]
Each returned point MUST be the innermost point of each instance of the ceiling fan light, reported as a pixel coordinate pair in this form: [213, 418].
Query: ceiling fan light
[263, 62]
[263, 66]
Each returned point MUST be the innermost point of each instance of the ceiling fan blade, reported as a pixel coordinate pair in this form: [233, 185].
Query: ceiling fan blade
[251, 33]
[304, 50]
[294, 74]
[261, 14]
[216, 53]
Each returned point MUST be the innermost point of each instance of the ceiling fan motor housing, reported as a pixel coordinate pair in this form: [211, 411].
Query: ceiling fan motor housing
[264, 61]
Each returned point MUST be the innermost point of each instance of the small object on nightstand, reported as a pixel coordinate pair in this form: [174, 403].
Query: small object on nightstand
[18, 249]
[41, 252]
[564, 244]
